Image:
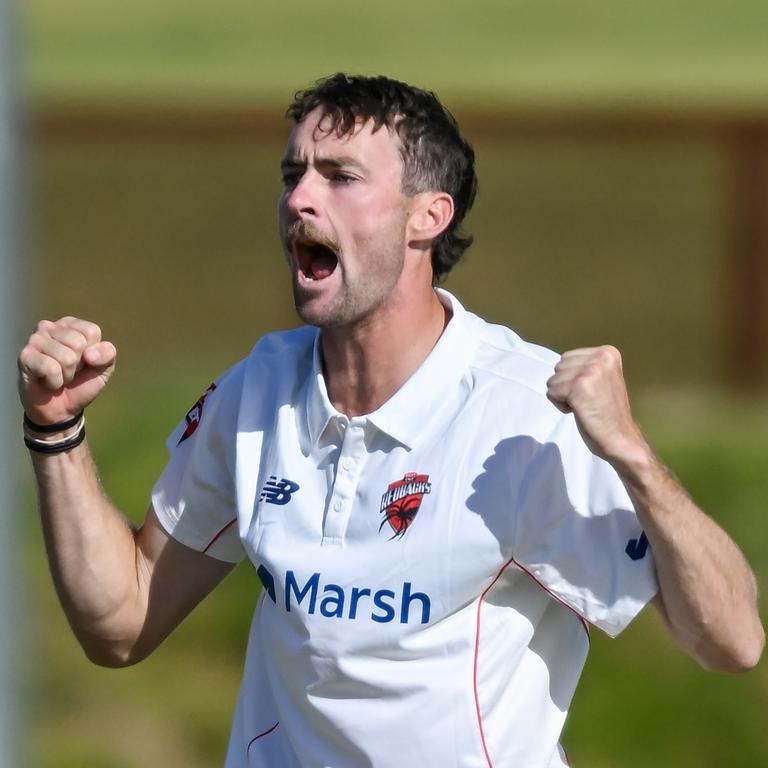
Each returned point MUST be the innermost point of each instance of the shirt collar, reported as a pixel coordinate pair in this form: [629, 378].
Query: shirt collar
[320, 410]
[406, 414]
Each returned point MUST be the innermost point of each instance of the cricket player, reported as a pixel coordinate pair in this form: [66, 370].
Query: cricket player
[437, 509]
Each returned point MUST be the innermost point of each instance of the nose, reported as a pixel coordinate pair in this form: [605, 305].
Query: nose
[301, 197]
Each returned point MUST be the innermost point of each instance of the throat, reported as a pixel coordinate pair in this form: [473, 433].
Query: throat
[363, 368]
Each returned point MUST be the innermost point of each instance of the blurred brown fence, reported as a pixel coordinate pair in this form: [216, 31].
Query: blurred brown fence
[741, 136]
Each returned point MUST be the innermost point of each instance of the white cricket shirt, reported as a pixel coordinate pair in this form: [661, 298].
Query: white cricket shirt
[429, 570]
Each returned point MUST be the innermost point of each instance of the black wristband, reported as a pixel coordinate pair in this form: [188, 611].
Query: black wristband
[48, 428]
[40, 447]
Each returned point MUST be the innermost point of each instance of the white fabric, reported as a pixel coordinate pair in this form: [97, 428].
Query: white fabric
[460, 640]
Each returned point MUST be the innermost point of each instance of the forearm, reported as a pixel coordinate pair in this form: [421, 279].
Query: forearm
[707, 590]
[92, 554]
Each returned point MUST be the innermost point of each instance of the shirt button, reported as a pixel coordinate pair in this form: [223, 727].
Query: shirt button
[338, 506]
[348, 464]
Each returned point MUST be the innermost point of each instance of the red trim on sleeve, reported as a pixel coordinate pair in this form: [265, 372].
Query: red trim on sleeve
[219, 534]
[585, 622]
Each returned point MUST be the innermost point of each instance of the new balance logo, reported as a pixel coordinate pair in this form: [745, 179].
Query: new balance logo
[278, 491]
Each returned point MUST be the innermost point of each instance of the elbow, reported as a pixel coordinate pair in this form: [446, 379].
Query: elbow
[111, 654]
[743, 655]
[109, 659]
[752, 652]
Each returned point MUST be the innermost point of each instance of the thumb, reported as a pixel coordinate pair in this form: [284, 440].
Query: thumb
[101, 355]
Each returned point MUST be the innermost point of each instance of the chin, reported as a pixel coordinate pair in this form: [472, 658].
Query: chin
[324, 316]
[312, 312]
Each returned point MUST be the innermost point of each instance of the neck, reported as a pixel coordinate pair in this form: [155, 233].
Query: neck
[366, 364]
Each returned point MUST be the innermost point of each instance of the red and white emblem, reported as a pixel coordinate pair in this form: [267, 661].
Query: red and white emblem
[402, 500]
[195, 414]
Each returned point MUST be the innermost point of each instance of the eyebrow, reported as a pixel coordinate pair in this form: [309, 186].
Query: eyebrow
[337, 161]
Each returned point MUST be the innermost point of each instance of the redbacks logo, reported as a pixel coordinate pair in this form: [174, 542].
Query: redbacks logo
[402, 500]
[195, 415]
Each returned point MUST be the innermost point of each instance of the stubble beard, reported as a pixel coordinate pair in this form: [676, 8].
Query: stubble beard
[357, 298]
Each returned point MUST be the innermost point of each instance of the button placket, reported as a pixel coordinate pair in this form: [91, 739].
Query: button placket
[345, 485]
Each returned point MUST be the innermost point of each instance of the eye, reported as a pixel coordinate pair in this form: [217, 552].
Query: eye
[340, 177]
[291, 178]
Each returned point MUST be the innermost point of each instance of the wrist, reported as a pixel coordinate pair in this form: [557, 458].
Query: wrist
[47, 429]
[54, 438]
[635, 463]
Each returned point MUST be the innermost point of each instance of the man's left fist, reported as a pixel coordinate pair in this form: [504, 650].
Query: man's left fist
[590, 383]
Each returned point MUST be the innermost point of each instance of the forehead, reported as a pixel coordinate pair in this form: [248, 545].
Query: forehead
[314, 136]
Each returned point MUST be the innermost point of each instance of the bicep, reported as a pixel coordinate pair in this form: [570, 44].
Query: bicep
[173, 579]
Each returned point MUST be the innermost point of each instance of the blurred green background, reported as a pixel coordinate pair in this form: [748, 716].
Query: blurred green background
[170, 245]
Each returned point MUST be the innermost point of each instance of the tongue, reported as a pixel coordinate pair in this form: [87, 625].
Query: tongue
[323, 264]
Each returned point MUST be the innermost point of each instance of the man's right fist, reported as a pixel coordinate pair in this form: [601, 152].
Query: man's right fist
[63, 368]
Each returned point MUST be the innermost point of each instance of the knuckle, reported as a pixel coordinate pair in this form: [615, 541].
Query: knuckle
[25, 358]
[91, 332]
[69, 358]
[591, 371]
[78, 342]
[610, 353]
[50, 368]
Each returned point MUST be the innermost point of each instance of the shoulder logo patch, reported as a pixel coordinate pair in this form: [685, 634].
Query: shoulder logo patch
[402, 500]
[195, 414]
[278, 491]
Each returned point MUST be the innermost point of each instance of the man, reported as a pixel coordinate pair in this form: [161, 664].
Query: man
[436, 508]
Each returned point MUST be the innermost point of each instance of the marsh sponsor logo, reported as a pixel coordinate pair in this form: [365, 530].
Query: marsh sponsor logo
[332, 601]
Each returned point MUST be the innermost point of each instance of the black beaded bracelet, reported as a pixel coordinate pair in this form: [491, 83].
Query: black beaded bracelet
[48, 428]
[38, 446]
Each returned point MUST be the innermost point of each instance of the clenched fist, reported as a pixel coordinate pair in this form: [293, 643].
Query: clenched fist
[62, 369]
[590, 383]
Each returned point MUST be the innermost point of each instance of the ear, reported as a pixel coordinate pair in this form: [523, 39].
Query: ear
[430, 215]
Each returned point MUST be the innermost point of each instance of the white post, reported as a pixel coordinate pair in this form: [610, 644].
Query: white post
[10, 453]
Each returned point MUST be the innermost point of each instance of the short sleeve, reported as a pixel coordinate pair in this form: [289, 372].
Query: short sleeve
[578, 535]
[194, 498]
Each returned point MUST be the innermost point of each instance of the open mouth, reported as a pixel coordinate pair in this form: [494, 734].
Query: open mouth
[316, 261]
[315, 254]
